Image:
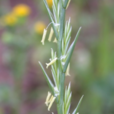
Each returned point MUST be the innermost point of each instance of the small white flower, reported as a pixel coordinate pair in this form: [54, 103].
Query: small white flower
[44, 36]
[51, 34]
[51, 62]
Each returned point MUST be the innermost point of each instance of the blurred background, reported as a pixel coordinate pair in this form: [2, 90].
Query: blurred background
[23, 89]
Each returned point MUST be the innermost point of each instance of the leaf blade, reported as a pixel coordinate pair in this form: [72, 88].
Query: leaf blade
[47, 78]
[75, 111]
[71, 50]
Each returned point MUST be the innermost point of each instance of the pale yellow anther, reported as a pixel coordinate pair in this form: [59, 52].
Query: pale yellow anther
[52, 62]
[44, 36]
[68, 70]
[51, 102]
[50, 35]
[68, 4]
[47, 99]
[55, 40]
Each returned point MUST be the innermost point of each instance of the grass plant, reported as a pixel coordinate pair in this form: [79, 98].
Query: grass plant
[60, 60]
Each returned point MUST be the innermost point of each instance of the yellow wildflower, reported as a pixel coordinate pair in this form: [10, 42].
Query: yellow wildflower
[10, 19]
[39, 27]
[21, 10]
[50, 3]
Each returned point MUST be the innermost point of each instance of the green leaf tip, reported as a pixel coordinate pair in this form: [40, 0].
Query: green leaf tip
[76, 109]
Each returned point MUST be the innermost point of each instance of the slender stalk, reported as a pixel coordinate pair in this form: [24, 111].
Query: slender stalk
[62, 80]
[62, 75]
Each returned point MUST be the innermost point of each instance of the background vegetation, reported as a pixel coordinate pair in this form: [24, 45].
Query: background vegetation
[23, 88]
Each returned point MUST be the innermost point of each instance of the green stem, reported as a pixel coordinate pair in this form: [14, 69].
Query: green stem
[62, 80]
[62, 75]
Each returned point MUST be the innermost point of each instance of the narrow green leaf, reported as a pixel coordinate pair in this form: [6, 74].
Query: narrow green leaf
[47, 78]
[68, 102]
[69, 89]
[76, 109]
[68, 110]
[50, 15]
[71, 50]
[67, 44]
[49, 12]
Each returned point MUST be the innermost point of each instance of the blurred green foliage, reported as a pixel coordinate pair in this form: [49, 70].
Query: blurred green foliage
[92, 64]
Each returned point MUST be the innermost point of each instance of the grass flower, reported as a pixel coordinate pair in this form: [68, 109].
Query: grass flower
[49, 100]
[52, 99]
[39, 27]
[51, 62]
[51, 35]
[44, 36]
[21, 10]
